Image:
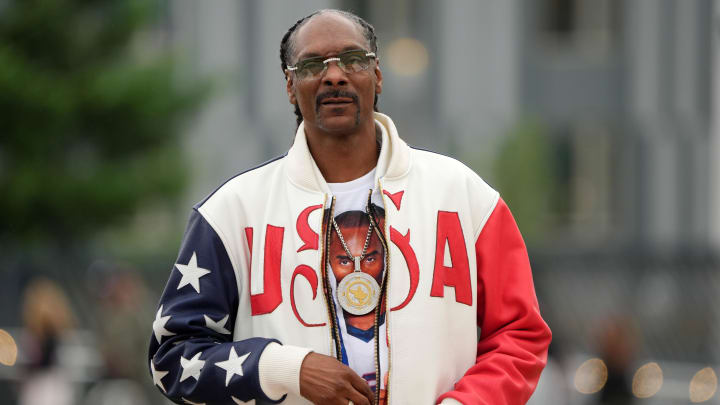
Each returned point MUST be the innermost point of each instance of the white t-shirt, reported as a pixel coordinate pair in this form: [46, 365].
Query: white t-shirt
[350, 213]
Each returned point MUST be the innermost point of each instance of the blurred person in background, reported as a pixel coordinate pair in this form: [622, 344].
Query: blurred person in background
[47, 317]
[122, 315]
[237, 322]
[617, 341]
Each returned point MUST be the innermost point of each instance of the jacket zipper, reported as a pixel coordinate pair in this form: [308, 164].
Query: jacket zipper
[383, 302]
[329, 301]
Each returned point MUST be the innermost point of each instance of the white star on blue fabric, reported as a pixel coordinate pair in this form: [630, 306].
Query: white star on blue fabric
[157, 376]
[159, 325]
[218, 326]
[187, 401]
[239, 402]
[192, 367]
[233, 365]
[191, 273]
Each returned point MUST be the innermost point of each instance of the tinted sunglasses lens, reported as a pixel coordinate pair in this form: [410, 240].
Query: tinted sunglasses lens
[354, 61]
[310, 68]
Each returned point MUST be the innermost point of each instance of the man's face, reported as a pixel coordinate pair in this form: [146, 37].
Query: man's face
[342, 264]
[322, 107]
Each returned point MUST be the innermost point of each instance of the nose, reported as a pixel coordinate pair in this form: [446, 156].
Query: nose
[334, 76]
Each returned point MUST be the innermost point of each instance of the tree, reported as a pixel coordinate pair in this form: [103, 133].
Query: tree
[524, 175]
[88, 128]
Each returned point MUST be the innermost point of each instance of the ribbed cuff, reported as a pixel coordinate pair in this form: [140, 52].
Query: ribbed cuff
[279, 369]
[450, 401]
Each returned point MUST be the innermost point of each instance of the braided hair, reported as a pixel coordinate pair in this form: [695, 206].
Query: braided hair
[287, 45]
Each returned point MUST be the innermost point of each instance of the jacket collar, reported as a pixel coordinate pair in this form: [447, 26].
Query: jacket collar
[393, 162]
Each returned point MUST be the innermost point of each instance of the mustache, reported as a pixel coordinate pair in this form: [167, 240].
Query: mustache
[335, 94]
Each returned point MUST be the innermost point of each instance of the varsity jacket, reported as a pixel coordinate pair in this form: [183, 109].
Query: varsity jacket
[248, 297]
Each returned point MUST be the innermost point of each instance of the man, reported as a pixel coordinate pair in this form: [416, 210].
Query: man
[250, 313]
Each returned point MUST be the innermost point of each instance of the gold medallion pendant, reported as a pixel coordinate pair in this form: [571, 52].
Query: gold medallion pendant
[358, 293]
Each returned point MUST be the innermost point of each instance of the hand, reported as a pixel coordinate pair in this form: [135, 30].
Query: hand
[326, 381]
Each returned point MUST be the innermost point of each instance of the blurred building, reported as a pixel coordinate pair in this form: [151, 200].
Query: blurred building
[620, 91]
[622, 88]
[451, 74]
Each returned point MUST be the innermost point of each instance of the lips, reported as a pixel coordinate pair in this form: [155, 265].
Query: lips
[336, 101]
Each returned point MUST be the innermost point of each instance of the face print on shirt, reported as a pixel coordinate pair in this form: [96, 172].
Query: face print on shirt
[354, 228]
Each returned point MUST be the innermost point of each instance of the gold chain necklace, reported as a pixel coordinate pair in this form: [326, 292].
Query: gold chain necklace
[356, 259]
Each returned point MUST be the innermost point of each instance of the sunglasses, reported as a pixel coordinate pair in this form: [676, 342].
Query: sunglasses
[350, 62]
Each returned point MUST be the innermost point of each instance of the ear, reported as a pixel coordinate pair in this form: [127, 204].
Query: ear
[378, 77]
[290, 87]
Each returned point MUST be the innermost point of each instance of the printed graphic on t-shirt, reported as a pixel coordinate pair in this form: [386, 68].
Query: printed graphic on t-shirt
[366, 251]
[361, 254]
[356, 326]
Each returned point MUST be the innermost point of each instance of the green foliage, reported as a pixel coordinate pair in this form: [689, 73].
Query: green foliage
[524, 176]
[88, 130]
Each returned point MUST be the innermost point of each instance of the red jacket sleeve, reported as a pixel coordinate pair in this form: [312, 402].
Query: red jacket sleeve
[514, 339]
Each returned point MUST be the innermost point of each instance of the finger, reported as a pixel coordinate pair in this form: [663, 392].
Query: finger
[358, 399]
[362, 387]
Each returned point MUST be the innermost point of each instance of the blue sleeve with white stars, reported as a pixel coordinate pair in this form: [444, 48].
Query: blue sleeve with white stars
[193, 358]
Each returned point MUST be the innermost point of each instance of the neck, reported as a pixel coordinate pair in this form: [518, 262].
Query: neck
[363, 322]
[342, 158]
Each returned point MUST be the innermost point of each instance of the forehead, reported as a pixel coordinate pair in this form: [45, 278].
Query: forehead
[328, 33]
[355, 236]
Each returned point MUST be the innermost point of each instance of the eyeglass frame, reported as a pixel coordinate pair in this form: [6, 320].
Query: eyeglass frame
[326, 62]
